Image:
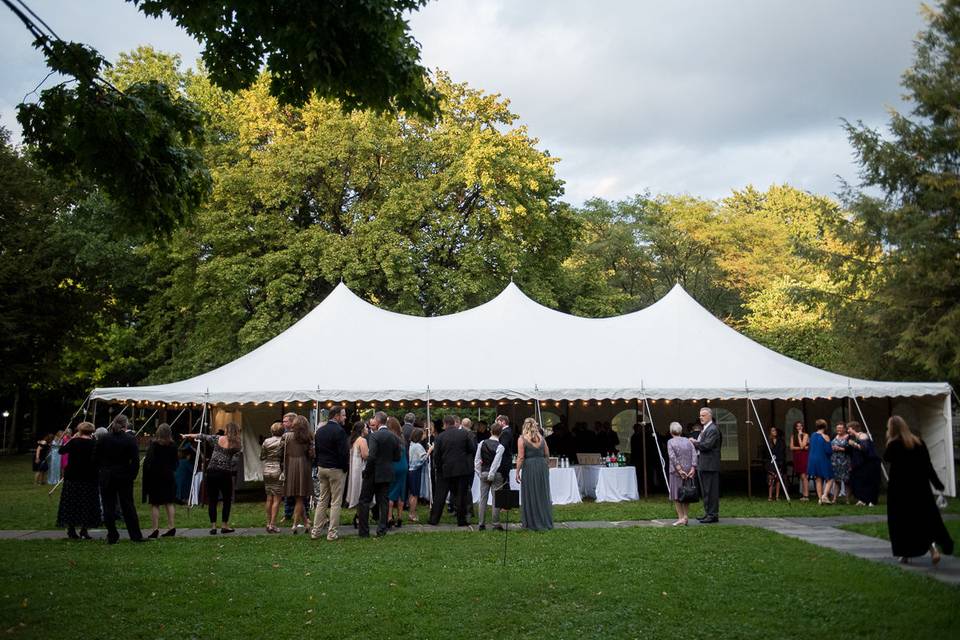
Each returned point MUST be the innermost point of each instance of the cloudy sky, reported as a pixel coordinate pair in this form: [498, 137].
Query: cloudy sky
[686, 96]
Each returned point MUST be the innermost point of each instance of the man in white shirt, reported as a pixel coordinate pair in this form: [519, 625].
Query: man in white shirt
[487, 464]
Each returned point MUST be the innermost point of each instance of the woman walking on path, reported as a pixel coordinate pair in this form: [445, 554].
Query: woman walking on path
[913, 520]
[159, 480]
[683, 467]
[271, 457]
[819, 467]
[533, 474]
[80, 498]
[223, 464]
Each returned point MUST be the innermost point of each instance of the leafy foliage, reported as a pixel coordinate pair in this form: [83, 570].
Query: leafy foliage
[418, 216]
[358, 53]
[914, 229]
[135, 145]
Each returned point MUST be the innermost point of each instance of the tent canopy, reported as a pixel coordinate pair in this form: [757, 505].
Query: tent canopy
[511, 347]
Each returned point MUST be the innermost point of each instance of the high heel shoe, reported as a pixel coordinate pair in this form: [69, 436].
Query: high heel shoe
[155, 534]
[169, 533]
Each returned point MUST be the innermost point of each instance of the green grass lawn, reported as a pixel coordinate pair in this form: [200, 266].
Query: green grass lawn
[879, 530]
[27, 506]
[561, 584]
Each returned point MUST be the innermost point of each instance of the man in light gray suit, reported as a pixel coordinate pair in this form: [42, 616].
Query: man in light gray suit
[708, 446]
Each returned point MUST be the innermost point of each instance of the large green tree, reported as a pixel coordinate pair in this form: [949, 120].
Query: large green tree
[139, 143]
[912, 231]
[416, 215]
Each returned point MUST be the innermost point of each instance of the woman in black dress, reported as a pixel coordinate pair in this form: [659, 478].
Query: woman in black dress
[159, 480]
[40, 460]
[865, 472]
[80, 498]
[779, 449]
[913, 519]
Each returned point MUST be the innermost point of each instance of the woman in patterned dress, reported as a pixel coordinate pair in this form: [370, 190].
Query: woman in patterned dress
[840, 461]
[271, 457]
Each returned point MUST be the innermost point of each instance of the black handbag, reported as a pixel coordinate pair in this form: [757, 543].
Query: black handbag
[688, 492]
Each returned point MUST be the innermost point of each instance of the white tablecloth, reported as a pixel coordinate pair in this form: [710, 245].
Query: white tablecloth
[587, 479]
[607, 484]
[564, 487]
[616, 484]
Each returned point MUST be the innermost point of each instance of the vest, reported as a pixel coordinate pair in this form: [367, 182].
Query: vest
[488, 451]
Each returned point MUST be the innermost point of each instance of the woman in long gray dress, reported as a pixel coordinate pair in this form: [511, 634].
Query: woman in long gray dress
[683, 466]
[533, 474]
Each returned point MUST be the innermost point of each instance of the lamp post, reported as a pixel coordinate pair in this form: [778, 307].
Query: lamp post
[6, 414]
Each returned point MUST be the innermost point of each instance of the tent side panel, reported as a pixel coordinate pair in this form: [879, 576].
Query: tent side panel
[935, 425]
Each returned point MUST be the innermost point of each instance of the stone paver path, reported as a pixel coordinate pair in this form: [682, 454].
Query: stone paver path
[823, 532]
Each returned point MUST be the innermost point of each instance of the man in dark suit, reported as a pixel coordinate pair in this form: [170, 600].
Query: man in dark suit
[118, 462]
[708, 445]
[409, 423]
[453, 455]
[384, 450]
[506, 498]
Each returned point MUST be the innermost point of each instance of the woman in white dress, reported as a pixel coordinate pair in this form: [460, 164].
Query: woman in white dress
[358, 459]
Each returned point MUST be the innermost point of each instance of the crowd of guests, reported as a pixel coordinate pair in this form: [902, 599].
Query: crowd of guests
[846, 465]
[380, 463]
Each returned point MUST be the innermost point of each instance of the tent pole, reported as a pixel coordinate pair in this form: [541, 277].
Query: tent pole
[145, 422]
[749, 424]
[430, 438]
[643, 451]
[653, 434]
[769, 450]
[194, 498]
[886, 475]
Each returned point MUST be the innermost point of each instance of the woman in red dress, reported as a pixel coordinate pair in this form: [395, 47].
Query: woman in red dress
[800, 449]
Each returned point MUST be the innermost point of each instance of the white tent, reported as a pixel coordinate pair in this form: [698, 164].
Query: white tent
[348, 349]
[514, 348]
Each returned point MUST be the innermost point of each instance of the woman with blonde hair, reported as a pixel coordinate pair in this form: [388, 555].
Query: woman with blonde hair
[533, 474]
[913, 520]
[223, 465]
[297, 468]
[271, 458]
[800, 449]
[159, 480]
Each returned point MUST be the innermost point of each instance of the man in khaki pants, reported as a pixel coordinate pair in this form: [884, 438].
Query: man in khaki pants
[331, 445]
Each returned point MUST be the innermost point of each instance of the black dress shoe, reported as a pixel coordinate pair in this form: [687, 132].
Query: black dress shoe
[710, 521]
[72, 533]
[482, 527]
[84, 535]
[113, 539]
